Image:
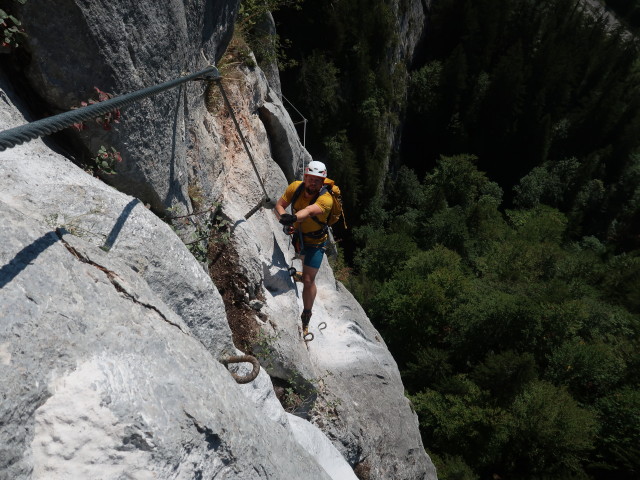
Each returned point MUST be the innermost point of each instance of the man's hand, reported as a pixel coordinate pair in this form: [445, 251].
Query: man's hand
[287, 219]
[288, 229]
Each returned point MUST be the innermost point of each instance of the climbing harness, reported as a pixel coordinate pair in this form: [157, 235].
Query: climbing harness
[46, 126]
[335, 213]
[243, 359]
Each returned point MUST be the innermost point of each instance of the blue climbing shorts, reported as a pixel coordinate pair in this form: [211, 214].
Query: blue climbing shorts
[313, 255]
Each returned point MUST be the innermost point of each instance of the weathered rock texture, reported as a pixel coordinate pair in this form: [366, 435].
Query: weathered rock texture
[108, 359]
[110, 329]
[411, 18]
[121, 47]
[102, 380]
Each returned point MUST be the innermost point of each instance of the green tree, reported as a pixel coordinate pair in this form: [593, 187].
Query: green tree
[319, 79]
[550, 434]
[416, 301]
[618, 451]
[344, 170]
[461, 424]
[588, 369]
[424, 85]
[505, 374]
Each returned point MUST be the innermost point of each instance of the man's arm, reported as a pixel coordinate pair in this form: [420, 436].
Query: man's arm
[322, 205]
[281, 206]
[310, 211]
[299, 217]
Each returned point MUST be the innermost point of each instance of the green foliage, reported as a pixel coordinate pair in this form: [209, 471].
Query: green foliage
[427, 366]
[457, 181]
[106, 160]
[548, 184]
[532, 249]
[590, 370]
[619, 438]
[254, 25]
[345, 169]
[402, 308]
[505, 374]
[502, 320]
[508, 334]
[319, 75]
[423, 87]
[538, 91]
[515, 327]
[456, 423]
[452, 467]
[622, 280]
[11, 31]
[550, 434]
[385, 253]
[252, 11]
[345, 85]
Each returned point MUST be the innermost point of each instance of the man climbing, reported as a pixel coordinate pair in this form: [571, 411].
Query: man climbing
[309, 233]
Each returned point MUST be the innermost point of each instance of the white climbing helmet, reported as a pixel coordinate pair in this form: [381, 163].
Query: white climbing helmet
[317, 169]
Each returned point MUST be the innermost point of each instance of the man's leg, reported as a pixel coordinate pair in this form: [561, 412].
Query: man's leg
[309, 291]
[309, 286]
[310, 267]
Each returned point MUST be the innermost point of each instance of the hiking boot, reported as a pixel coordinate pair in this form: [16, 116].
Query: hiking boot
[305, 317]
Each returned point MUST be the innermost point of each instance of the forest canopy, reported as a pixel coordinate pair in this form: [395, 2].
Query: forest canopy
[518, 347]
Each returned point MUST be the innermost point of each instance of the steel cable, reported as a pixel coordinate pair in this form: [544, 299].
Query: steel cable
[244, 142]
[40, 128]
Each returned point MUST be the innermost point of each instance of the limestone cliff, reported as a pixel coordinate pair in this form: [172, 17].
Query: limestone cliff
[111, 330]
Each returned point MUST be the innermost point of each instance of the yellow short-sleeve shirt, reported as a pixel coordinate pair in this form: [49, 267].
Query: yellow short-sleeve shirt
[324, 201]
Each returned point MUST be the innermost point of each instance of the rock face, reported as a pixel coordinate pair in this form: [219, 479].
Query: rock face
[108, 359]
[111, 331]
[102, 380]
[121, 47]
[411, 18]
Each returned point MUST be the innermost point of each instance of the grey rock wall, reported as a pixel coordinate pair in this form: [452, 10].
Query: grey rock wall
[121, 47]
[108, 359]
[101, 380]
[411, 18]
